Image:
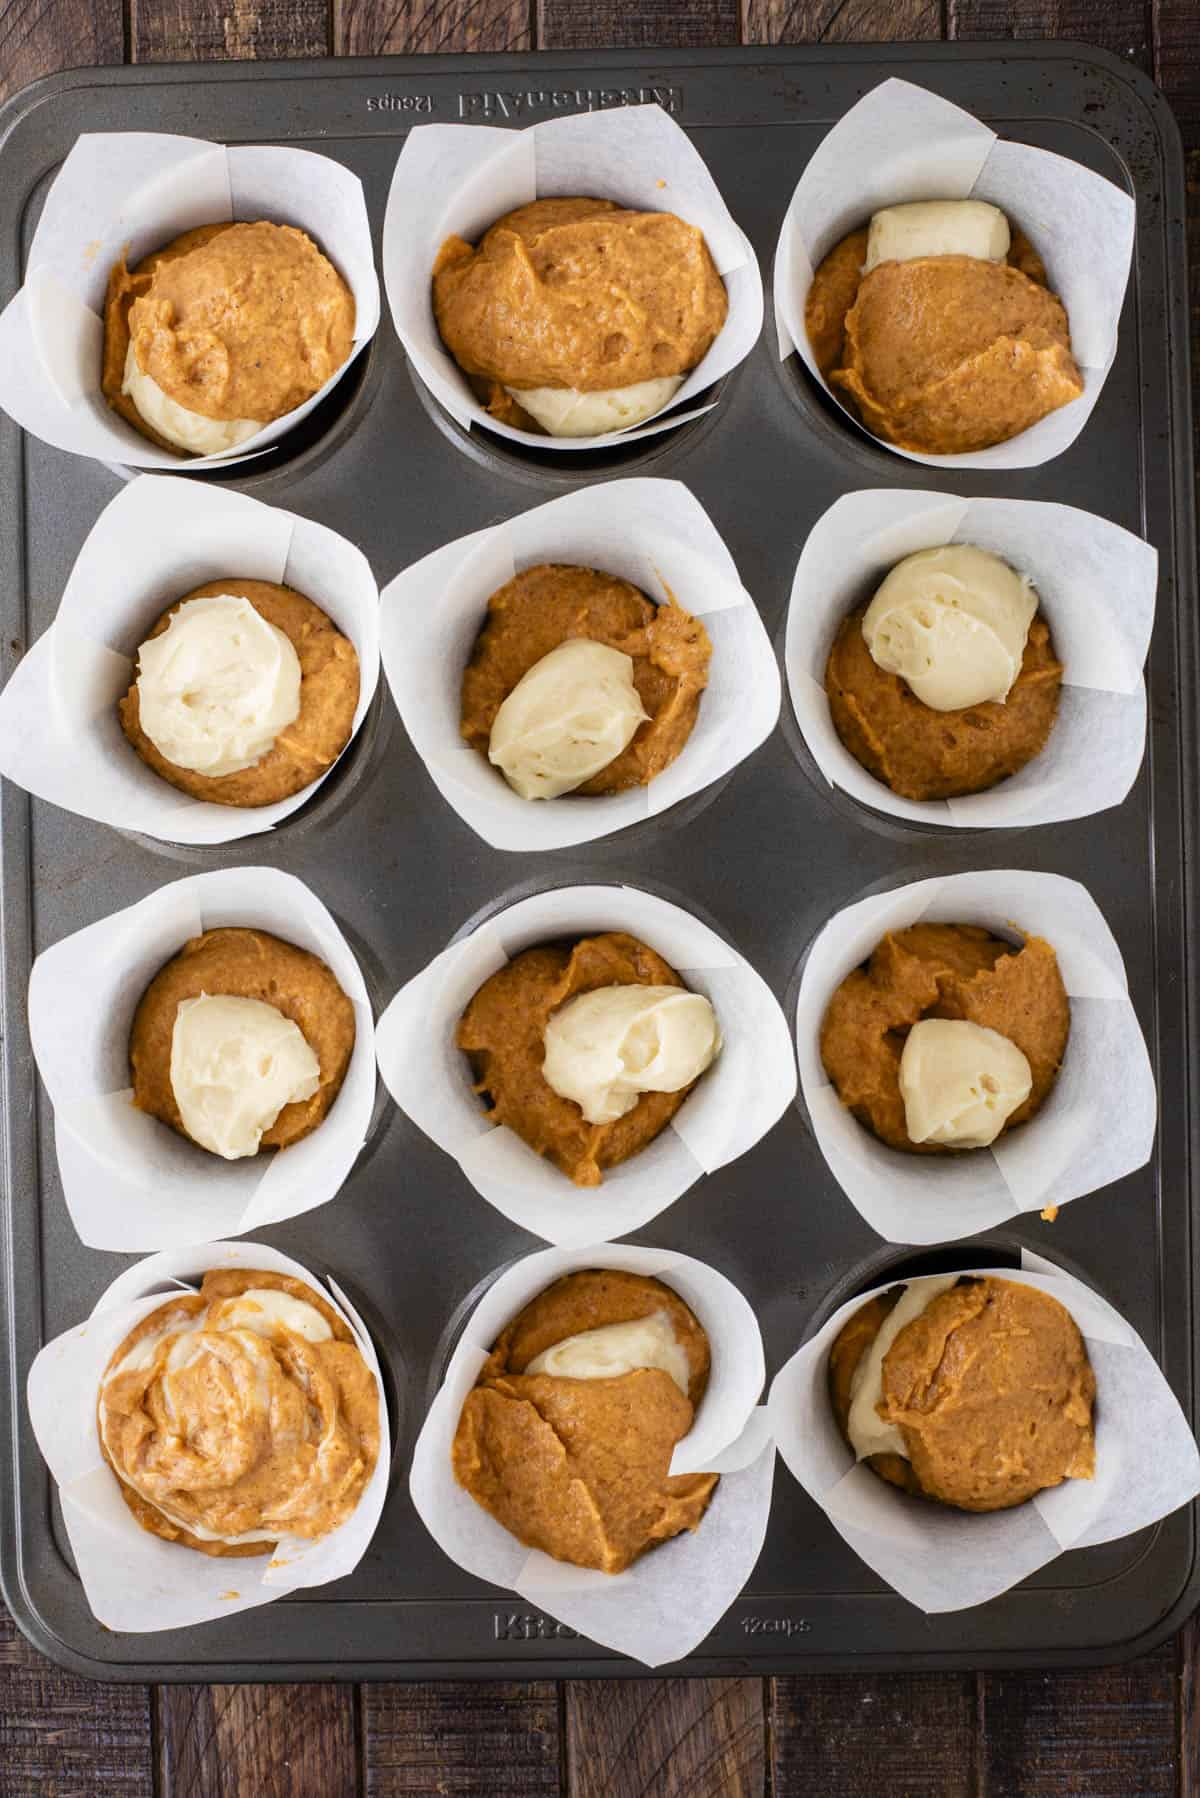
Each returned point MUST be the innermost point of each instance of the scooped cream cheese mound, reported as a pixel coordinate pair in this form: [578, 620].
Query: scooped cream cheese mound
[953, 623]
[187, 430]
[868, 1433]
[570, 715]
[616, 1349]
[960, 1082]
[568, 412]
[607, 1047]
[937, 228]
[217, 686]
[235, 1064]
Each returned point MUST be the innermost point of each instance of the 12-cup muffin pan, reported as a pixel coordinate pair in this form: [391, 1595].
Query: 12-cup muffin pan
[766, 856]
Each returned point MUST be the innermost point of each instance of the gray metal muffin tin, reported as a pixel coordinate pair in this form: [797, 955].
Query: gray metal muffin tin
[768, 855]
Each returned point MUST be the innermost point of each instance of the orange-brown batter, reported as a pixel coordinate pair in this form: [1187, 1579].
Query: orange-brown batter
[305, 748]
[990, 1388]
[256, 1430]
[921, 753]
[576, 293]
[554, 602]
[578, 1468]
[941, 971]
[247, 964]
[503, 1033]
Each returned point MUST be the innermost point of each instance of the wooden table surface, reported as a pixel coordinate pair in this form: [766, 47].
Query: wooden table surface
[1111, 1733]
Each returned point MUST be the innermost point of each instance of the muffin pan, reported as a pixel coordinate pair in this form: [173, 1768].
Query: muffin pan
[768, 856]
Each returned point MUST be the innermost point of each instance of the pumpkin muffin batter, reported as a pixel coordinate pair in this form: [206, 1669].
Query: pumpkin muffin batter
[578, 1467]
[941, 971]
[235, 322]
[942, 354]
[576, 293]
[267, 1424]
[555, 603]
[989, 1386]
[921, 753]
[246, 964]
[503, 1034]
[304, 749]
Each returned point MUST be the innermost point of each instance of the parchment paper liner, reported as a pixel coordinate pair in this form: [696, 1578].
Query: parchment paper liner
[941, 1559]
[134, 1581]
[136, 191]
[902, 143]
[653, 533]
[60, 735]
[1096, 1125]
[459, 179]
[739, 1098]
[1097, 587]
[130, 1182]
[667, 1602]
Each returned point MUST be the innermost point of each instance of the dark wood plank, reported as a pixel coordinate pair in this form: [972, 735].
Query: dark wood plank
[840, 21]
[62, 1737]
[675, 24]
[1187, 1660]
[493, 1740]
[382, 27]
[257, 1742]
[664, 1738]
[846, 1735]
[226, 30]
[1108, 1732]
[1177, 68]
[1122, 26]
[39, 37]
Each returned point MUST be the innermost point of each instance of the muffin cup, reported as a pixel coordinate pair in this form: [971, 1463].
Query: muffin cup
[459, 179]
[1096, 1125]
[653, 533]
[132, 1580]
[60, 733]
[131, 1183]
[1096, 584]
[666, 1603]
[736, 1102]
[902, 143]
[942, 1559]
[133, 192]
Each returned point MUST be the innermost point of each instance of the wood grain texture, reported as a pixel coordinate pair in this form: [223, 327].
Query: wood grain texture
[674, 24]
[849, 1735]
[1122, 26]
[840, 21]
[462, 1740]
[226, 30]
[665, 1738]
[394, 27]
[62, 1737]
[39, 37]
[257, 1742]
[1109, 1732]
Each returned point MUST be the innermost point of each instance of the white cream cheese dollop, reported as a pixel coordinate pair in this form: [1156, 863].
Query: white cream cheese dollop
[235, 1064]
[953, 623]
[568, 716]
[616, 1349]
[960, 1082]
[187, 430]
[937, 228]
[607, 1047]
[868, 1433]
[217, 686]
[568, 412]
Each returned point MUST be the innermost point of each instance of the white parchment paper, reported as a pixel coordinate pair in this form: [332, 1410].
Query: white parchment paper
[902, 143]
[1096, 1125]
[734, 1103]
[130, 1182]
[1097, 586]
[135, 191]
[666, 1603]
[459, 179]
[653, 533]
[941, 1559]
[60, 734]
[135, 1581]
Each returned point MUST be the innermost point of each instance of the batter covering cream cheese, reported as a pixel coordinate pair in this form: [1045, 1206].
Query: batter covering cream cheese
[584, 298]
[567, 1441]
[240, 1414]
[975, 1392]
